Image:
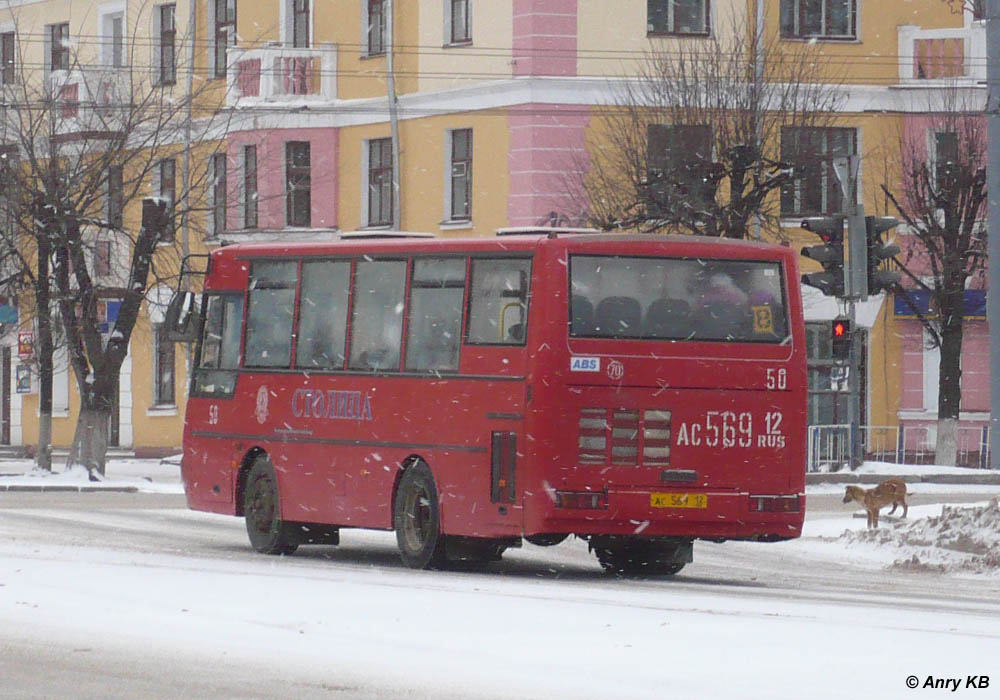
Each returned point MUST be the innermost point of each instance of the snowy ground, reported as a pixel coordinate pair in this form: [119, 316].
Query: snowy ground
[166, 602]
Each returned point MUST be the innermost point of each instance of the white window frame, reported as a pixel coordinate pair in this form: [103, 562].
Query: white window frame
[157, 402]
[366, 49]
[287, 17]
[447, 24]
[707, 7]
[823, 35]
[230, 38]
[11, 28]
[366, 182]
[213, 203]
[241, 215]
[47, 46]
[106, 15]
[447, 220]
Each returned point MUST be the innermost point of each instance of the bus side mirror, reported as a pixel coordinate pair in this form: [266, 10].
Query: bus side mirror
[182, 318]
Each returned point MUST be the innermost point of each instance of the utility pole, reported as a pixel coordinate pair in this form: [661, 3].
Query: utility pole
[993, 216]
[390, 81]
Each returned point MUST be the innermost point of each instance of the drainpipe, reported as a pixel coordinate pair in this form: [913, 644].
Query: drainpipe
[390, 83]
[186, 164]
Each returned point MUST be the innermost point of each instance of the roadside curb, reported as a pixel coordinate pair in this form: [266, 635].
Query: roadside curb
[65, 488]
[991, 478]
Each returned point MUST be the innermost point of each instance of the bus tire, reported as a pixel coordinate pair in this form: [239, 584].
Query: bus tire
[417, 519]
[634, 556]
[268, 533]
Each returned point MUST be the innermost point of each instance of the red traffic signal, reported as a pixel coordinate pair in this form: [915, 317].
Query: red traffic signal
[840, 335]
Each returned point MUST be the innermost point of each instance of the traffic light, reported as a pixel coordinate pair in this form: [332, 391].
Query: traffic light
[879, 280]
[830, 255]
[840, 335]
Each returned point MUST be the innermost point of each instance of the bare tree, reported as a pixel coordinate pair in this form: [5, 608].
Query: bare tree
[691, 143]
[87, 141]
[942, 199]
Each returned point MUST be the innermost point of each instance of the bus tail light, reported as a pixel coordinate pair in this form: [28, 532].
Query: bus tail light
[503, 463]
[591, 500]
[774, 504]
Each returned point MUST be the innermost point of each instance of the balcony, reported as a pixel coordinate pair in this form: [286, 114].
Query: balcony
[276, 75]
[88, 100]
[942, 57]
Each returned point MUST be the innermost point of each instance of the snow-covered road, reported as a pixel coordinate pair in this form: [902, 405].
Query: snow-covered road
[123, 600]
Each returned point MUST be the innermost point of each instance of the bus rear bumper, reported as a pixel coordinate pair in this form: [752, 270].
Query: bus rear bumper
[701, 514]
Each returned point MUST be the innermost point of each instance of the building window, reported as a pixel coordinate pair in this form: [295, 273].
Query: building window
[678, 16]
[250, 187]
[460, 190]
[946, 160]
[113, 39]
[297, 183]
[978, 10]
[168, 192]
[7, 55]
[168, 35]
[300, 24]
[380, 182]
[375, 27]
[116, 196]
[824, 19]
[218, 193]
[225, 33]
[102, 258]
[459, 25]
[163, 366]
[678, 165]
[814, 188]
[59, 46]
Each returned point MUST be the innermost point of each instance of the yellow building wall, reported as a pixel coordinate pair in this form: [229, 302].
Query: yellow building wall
[487, 58]
[612, 35]
[871, 59]
[423, 161]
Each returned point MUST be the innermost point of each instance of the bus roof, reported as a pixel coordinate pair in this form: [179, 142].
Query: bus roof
[405, 243]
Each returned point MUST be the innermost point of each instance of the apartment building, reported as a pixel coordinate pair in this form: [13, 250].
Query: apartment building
[459, 117]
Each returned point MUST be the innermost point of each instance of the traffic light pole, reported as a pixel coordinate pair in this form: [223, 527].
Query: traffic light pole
[993, 217]
[855, 260]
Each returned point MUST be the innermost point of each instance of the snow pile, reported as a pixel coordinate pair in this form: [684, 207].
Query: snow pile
[961, 539]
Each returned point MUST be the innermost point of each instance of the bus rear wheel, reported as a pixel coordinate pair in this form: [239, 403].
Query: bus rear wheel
[417, 519]
[268, 533]
[637, 556]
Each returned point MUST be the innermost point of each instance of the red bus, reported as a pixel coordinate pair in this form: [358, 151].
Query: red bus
[637, 391]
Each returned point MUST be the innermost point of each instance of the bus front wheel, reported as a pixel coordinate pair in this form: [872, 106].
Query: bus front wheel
[262, 509]
[417, 519]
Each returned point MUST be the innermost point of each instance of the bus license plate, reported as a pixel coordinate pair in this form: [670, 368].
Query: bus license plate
[678, 500]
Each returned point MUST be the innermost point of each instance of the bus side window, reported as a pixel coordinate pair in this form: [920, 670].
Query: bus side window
[377, 321]
[219, 353]
[498, 308]
[323, 314]
[435, 324]
[269, 317]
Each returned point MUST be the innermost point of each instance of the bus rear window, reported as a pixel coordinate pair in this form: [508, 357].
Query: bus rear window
[677, 299]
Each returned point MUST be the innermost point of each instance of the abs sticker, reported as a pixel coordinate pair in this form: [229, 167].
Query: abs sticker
[585, 364]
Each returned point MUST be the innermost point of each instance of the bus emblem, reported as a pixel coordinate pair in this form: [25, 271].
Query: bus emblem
[616, 370]
[261, 409]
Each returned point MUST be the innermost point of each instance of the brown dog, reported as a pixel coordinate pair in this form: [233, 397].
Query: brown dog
[889, 491]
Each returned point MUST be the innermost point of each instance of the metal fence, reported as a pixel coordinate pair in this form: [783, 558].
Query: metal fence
[830, 446]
